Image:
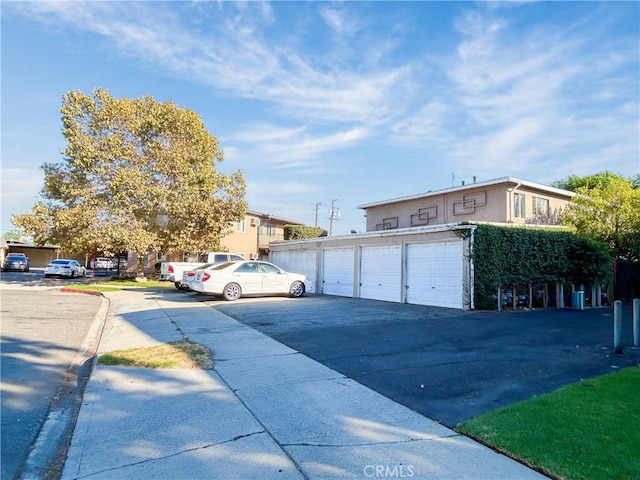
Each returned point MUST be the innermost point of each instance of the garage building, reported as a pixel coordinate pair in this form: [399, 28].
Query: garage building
[423, 265]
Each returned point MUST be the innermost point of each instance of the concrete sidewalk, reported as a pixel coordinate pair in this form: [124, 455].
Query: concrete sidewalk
[265, 411]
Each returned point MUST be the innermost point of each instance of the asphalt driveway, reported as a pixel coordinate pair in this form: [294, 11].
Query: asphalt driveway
[446, 364]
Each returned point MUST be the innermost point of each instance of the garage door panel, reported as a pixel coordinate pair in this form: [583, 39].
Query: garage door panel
[298, 261]
[434, 274]
[337, 272]
[381, 273]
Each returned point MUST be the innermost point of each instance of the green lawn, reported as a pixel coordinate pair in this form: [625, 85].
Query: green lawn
[588, 430]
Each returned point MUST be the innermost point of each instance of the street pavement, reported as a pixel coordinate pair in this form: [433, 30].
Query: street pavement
[42, 370]
[264, 411]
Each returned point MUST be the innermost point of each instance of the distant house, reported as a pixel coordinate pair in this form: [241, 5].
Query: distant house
[251, 237]
[503, 200]
[38, 256]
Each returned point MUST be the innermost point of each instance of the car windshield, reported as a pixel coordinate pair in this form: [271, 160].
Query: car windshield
[60, 262]
[15, 256]
[268, 268]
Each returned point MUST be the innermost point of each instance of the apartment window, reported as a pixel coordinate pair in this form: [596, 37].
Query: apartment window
[241, 226]
[269, 230]
[519, 208]
[540, 207]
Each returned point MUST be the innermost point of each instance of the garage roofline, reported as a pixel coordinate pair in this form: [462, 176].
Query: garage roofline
[383, 233]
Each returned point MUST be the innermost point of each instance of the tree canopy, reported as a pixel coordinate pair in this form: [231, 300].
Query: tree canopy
[137, 175]
[607, 208]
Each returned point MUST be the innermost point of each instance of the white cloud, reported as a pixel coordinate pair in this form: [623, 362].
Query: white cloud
[504, 95]
[339, 22]
[283, 149]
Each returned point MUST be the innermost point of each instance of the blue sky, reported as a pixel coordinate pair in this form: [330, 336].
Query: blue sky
[353, 101]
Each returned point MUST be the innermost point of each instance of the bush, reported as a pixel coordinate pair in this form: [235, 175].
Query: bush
[300, 232]
[522, 256]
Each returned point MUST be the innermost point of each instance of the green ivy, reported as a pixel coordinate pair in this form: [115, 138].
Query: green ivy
[300, 232]
[522, 256]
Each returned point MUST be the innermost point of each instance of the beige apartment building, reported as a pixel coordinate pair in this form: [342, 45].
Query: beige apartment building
[503, 200]
[252, 236]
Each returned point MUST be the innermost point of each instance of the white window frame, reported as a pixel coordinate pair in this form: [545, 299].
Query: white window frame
[541, 206]
[519, 205]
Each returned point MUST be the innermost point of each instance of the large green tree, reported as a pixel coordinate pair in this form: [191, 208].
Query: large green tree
[137, 175]
[607, 208]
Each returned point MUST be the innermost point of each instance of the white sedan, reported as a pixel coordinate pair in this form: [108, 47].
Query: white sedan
[235, 279]
[64, 268]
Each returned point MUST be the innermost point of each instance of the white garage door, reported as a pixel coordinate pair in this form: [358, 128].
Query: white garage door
[337, 271]
[381, 273]
[298, 261]
[434, 274]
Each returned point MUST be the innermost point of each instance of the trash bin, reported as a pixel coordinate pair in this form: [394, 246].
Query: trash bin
[577, 300]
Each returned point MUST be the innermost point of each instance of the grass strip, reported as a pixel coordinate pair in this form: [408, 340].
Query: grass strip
[115, 285]
[588, 430]
[180, 354]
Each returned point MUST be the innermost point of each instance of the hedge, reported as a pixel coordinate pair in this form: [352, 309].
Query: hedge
[521, 256]
[300, 232]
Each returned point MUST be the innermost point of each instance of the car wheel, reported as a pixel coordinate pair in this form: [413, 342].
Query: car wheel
[47, 276]
[232, 292]
[73, 274]
[297, 289]
[177, 285]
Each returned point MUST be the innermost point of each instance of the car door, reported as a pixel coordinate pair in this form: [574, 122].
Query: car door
[249, 277]
[273, 279]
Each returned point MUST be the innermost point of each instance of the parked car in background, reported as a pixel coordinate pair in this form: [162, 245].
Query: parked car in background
[63, 267]
[121, 264]
[235, 279]
[104, 263]
[174, 271]
[16, 261]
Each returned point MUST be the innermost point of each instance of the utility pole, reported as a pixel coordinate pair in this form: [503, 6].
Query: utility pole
[333, 213]
[317, 207]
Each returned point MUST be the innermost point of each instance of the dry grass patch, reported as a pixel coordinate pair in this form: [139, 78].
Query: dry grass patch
[180, 354]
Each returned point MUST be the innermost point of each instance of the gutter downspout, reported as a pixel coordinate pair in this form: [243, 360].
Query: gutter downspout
[472, 305]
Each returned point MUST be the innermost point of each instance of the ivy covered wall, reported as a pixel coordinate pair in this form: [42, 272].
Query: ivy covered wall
[522, 256]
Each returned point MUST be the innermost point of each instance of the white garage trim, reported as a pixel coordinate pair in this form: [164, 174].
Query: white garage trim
[381, 272]
[299, 261]
[434, 273]
[337, 271]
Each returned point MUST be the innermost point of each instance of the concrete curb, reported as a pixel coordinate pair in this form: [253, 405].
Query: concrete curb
[78, 290]
[50, 448]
